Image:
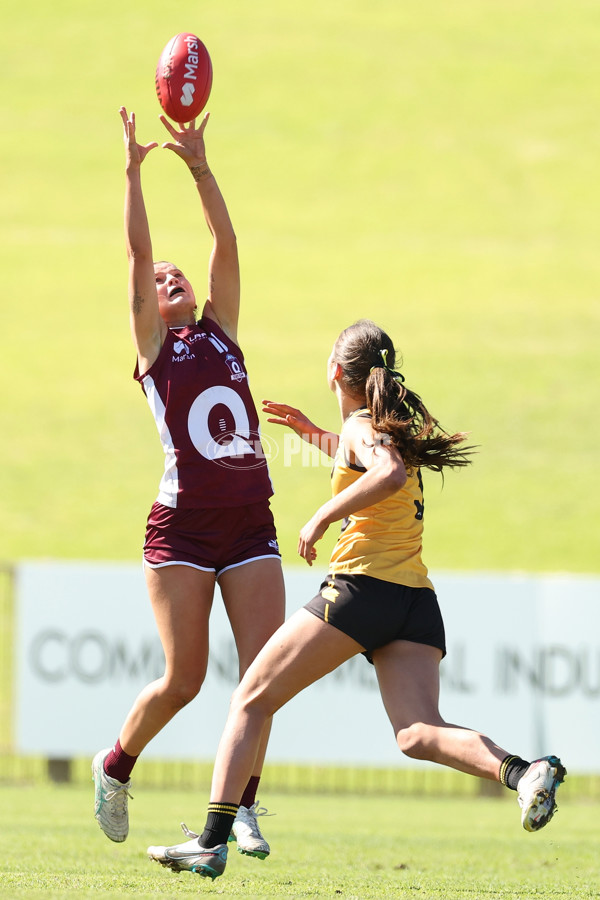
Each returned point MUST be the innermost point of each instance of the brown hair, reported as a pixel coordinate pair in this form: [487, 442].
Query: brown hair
[367, 358]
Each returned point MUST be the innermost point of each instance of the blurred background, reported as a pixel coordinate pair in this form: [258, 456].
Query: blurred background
[431, 166]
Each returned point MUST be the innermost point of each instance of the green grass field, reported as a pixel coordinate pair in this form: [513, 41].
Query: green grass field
[433, 166]
[322, 847]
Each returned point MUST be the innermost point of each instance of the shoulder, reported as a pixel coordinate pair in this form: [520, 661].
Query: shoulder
[356, 436]
[209, 315]
[211, 326]
[356, 427]
[367, 447]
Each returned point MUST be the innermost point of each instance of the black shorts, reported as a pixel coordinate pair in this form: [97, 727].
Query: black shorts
[375, 612]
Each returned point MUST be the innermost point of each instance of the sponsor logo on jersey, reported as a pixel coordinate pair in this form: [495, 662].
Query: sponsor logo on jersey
[198, 336]
[182, 352]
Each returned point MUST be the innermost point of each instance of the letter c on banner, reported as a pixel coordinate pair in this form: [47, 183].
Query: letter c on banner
[90, 657]
[41, 655]
[198, 429]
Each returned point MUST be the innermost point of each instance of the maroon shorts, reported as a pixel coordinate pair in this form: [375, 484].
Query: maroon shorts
[212, 540]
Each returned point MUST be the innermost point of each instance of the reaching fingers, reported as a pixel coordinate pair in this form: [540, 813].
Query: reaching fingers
[280, 418]
[279, 409]
[278, 421]
[184, 128]
[172, 131]
[204, 122]
[191, 125]
[128, 123]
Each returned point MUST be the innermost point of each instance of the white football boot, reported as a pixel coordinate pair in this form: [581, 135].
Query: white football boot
[246, 831]
[110, 808]
[537, 789]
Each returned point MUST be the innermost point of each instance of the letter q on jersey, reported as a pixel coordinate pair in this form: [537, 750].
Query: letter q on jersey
[227, 446]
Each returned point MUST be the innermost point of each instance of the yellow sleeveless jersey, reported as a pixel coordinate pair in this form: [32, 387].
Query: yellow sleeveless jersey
[383, 540]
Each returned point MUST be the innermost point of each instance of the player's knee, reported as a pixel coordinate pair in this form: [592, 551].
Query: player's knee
[252, 699]
[415, 740]
[180, 693]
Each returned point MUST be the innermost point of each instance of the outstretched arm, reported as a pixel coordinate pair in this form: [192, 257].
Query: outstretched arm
[223, 303]
[282, 414]
[147, 328]
[385, 474]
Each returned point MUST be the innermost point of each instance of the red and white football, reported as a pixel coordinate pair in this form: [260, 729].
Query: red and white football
[184, 77]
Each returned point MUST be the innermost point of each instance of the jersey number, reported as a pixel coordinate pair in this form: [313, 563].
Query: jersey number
[420, 505]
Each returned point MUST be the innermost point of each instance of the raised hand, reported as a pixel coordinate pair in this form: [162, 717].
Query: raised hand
[188, 141]
[282, 414]
[135, 153]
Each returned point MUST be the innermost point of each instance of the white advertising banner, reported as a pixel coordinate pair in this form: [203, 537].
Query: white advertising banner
[523, 666]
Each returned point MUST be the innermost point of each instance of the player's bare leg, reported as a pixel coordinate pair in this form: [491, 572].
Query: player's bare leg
[181, 598]
[408, 675]
[257, 585]
[303, 651]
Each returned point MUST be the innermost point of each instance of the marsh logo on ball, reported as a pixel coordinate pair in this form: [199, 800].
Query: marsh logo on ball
[187, 94]
[183, 77]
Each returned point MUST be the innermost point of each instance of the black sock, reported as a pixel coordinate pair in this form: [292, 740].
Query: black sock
[219, 820]
[511, 770]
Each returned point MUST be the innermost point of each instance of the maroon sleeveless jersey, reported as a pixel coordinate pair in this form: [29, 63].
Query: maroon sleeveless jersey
[208, 425]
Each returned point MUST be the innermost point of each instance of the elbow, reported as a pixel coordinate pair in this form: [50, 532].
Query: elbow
[395, 477]
[226, 244]
[397, 481]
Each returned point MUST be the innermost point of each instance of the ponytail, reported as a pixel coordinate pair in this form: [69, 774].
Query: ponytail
[400, 414]
[367, 358]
